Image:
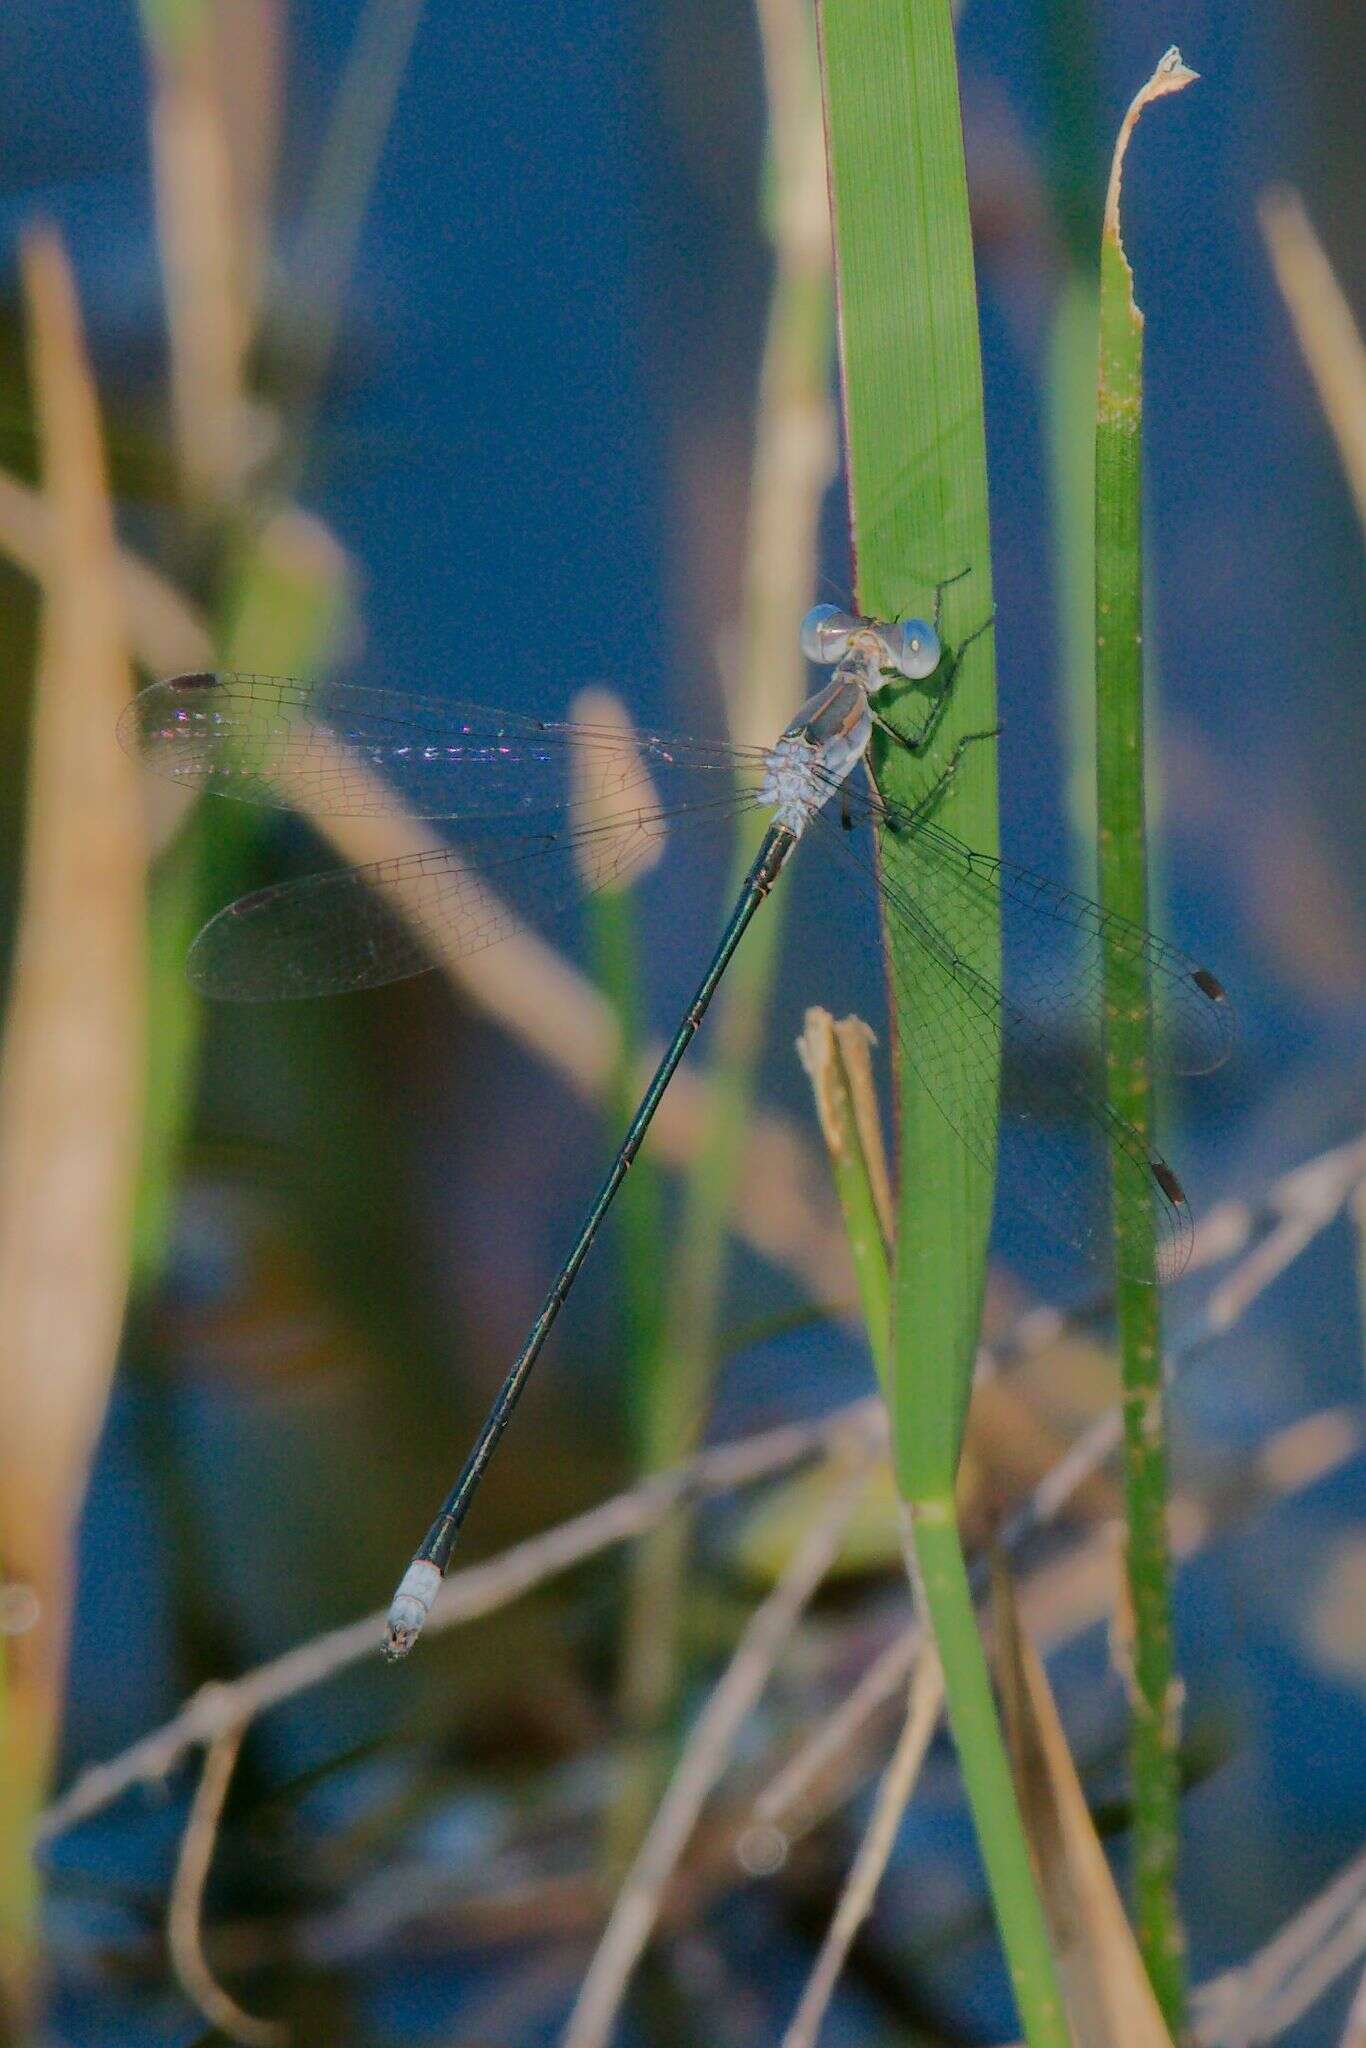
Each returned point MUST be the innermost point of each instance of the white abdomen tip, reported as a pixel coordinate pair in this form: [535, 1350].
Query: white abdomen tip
[411, 1605]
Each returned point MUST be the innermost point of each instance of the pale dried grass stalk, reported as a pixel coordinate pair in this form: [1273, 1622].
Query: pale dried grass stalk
[205, 271]
[166, 632]
[1058, 1600]
[466, 1596]
[333, 211]
[609, 793]
[247, 41]
[1329, 337]
[795, 449]
[71, 1071]
[764, 674]
[795, 1788]
[72, 1079]
[874, 1853]
[1354, 2034]
[704, 1757]
[1262, 1997]
[184, 1920]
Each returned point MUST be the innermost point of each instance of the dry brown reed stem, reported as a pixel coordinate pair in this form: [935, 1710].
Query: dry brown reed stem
[184, 1922]
[71, 1077]
[789, 1791]
[1106, 1992]
[1058, 1601]
[705, 1755]
[795, 444]
[167, 634]
[1329, 338]
[466, 1596]
[205, 271]
[247, 40]
[923, 1709]
[615, 789]
[1261, 1998]
[795, 454]
[1322, 1942]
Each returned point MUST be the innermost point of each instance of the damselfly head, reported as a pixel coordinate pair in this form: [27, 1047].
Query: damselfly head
[911, 648]
[826, 634]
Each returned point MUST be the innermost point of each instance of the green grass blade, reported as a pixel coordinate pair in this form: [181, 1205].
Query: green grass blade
[946, 1593]
[912, 390]
[913, 414]
[1121, 815]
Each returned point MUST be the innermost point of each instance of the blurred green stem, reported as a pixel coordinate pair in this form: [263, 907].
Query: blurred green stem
[286, 606]
[638, 1221]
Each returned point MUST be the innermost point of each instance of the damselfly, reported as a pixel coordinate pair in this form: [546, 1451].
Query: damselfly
[502, 778]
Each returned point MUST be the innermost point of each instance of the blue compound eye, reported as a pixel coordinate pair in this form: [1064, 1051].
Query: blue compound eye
[914, 648]
[825, 634]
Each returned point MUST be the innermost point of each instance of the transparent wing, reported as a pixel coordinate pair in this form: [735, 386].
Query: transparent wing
[342, 749]
[356, 928]
[958, 1025]
[1057, 941]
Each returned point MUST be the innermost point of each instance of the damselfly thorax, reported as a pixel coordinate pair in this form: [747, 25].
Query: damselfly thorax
[829, 736]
